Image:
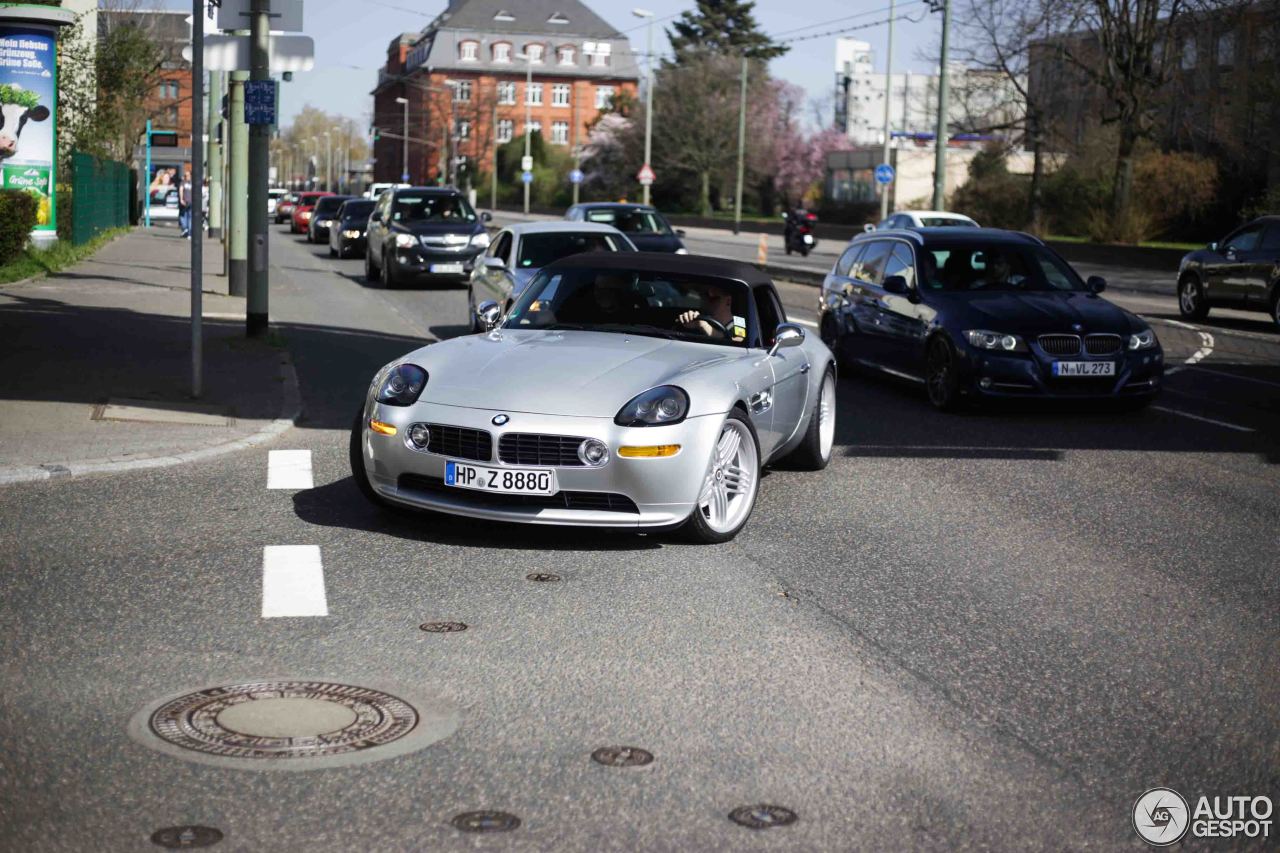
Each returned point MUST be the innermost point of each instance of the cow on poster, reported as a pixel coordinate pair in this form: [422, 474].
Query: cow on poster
[28, 66]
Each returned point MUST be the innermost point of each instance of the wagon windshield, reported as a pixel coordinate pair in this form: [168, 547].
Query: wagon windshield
[660, 304]
[1008, 268]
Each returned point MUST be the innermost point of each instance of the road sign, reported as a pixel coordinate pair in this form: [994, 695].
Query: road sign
[527, 177]
[645, 176]
[260, 102]
[231, 53]
[526, 163]
[286, 15]
[575, 177]
[884, 174]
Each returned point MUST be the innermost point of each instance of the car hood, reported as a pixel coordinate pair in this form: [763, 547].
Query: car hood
[586, 374]
[655, 242]
[1038, 313]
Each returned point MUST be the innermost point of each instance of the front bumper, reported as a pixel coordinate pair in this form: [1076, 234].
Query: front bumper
[658, 492]
[417, 261]
[989, 374]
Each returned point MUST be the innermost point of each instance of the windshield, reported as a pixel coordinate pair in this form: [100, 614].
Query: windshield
[539, 250]
[946, 222]
[357, 209]
[437, 207]
[992, 268]
[329, 204]
[666, 305]
[630, 221]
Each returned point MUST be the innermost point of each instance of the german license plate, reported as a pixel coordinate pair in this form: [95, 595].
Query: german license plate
[511, 481]
[1084, 368]
[446, 268]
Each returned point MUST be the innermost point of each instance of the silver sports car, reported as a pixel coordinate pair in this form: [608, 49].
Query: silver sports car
[619, 390]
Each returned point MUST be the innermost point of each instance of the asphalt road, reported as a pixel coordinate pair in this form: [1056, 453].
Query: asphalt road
[991, 630]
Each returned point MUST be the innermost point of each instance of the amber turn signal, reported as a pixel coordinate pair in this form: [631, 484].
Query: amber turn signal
[380, 427]
[649, 452]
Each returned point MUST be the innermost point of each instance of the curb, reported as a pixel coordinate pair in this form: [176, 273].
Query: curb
[291, 410]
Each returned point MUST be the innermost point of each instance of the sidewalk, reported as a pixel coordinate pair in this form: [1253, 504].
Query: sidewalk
[96, 366]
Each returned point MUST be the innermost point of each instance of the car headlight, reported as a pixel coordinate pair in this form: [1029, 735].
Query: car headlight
[593, 452]
[665, 404]
[480, 241]
[403, 385]
[1145, 339]
[351, 233]
[983, 339]
[682, 251]
[406, 241]
[324, 223]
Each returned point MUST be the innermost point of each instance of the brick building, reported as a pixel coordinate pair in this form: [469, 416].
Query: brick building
[464, 79]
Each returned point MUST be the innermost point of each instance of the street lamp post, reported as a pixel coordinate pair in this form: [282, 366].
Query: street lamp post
[328, 161]
[888, 98]
[528, 84]
[404, 155]
[648, 93]
[941, 137]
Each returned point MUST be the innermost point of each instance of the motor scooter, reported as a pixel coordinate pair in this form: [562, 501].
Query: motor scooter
[798, 234]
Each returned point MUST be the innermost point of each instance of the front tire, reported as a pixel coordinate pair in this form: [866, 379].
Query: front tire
[370, 274]
[942, 375]
[730, 485]
[388, 274]
[815, 449]
[1275, 306]
[1192, 304]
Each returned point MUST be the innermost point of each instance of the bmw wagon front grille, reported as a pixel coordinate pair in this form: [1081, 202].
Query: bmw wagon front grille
[1102, 344]
[1060, 344]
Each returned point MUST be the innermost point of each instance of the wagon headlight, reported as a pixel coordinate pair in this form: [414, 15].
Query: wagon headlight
[403, 385]
[983, 339]
[665, 404]
[351, 233]
[406, 241]
[1145, 339]
[480, 241]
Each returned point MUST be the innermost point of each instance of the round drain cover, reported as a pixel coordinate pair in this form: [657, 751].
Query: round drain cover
[622, 756]
[186, 837]
[542, 577]
[763, 816]
[443, 627]
[485, 821]
[291, 724]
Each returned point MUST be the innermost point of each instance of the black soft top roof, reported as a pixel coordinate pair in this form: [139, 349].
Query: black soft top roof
[699, 265]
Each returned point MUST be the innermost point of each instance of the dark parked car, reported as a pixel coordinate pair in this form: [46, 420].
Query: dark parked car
[1240, 271]
[347, 235]
[300, 219]
[322, 216]
[982, 313]
[428, 232]
[643, 225]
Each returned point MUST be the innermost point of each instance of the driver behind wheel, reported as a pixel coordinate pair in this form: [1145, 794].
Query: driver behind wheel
[717, 304]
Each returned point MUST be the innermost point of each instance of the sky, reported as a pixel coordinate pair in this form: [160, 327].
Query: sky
[351, 38]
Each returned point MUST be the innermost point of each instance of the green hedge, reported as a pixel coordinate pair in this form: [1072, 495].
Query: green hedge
[17, 218]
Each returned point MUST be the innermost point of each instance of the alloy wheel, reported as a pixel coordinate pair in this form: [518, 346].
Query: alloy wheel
[827, 415]
[1188, 299]
[729, 489]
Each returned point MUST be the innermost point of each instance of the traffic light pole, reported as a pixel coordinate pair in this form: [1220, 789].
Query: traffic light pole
[238, 197]
[259, 162]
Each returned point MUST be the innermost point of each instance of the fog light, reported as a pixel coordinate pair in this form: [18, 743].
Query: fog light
[593, 452]
[985, 382]
[380, 427]
[419, 436]
[649, 452]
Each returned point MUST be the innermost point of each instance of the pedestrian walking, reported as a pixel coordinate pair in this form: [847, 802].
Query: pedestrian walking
[184, 204]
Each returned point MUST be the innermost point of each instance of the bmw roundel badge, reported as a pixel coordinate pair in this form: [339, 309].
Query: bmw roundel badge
[499, 420]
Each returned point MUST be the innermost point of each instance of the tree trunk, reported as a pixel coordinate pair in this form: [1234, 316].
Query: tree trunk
[1122, 189]
[704, 193]
[1035, 202]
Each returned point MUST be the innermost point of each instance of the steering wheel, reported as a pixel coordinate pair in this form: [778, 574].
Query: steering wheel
[714, 323]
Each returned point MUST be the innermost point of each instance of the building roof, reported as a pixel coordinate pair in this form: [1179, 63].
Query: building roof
[526, 16]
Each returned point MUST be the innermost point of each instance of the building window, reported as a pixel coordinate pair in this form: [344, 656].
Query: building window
[1227, 49]
[506, 129]
[560, 132]
[506, 92]
[533, 127]
[462, 91]
[598, 51]
[464, 130]
[169, 89]
[1188, 54]
[502, 52]
[560, 95]
[467, 51]
[533, 94]
[603, 94]
[534, 52]
[565, 54]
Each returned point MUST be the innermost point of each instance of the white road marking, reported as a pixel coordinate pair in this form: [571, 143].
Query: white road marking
[289, 469]
[1206, 350]
[292, 581]
[1223, 424]
[1180, 324]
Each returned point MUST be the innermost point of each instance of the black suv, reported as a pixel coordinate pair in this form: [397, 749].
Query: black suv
[430, 232]
[1240, 271]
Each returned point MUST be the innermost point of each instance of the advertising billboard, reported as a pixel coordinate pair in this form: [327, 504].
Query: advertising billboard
[28, 103]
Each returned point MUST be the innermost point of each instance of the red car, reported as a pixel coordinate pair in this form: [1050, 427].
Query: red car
[301, 216]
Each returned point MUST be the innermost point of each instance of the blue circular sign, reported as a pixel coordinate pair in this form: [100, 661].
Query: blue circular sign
[884, 174]
[575, 176]
[527, 177]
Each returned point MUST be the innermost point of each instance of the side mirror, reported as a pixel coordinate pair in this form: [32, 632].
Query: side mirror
[1096, 284]
[896, 284]
[788, 335]
[868, 228]
[486, 217]
[679, 232]
[489, 314]
[1212, 247]
[494, 264]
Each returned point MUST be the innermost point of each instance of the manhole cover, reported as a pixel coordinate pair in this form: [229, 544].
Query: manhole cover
[186, 837]
[292, 724]
[763, 816]
[443, 627]
[485, 821]
[542, 577]
[622, 756]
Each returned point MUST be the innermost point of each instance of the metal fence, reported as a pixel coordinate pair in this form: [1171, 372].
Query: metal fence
[99, 196]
